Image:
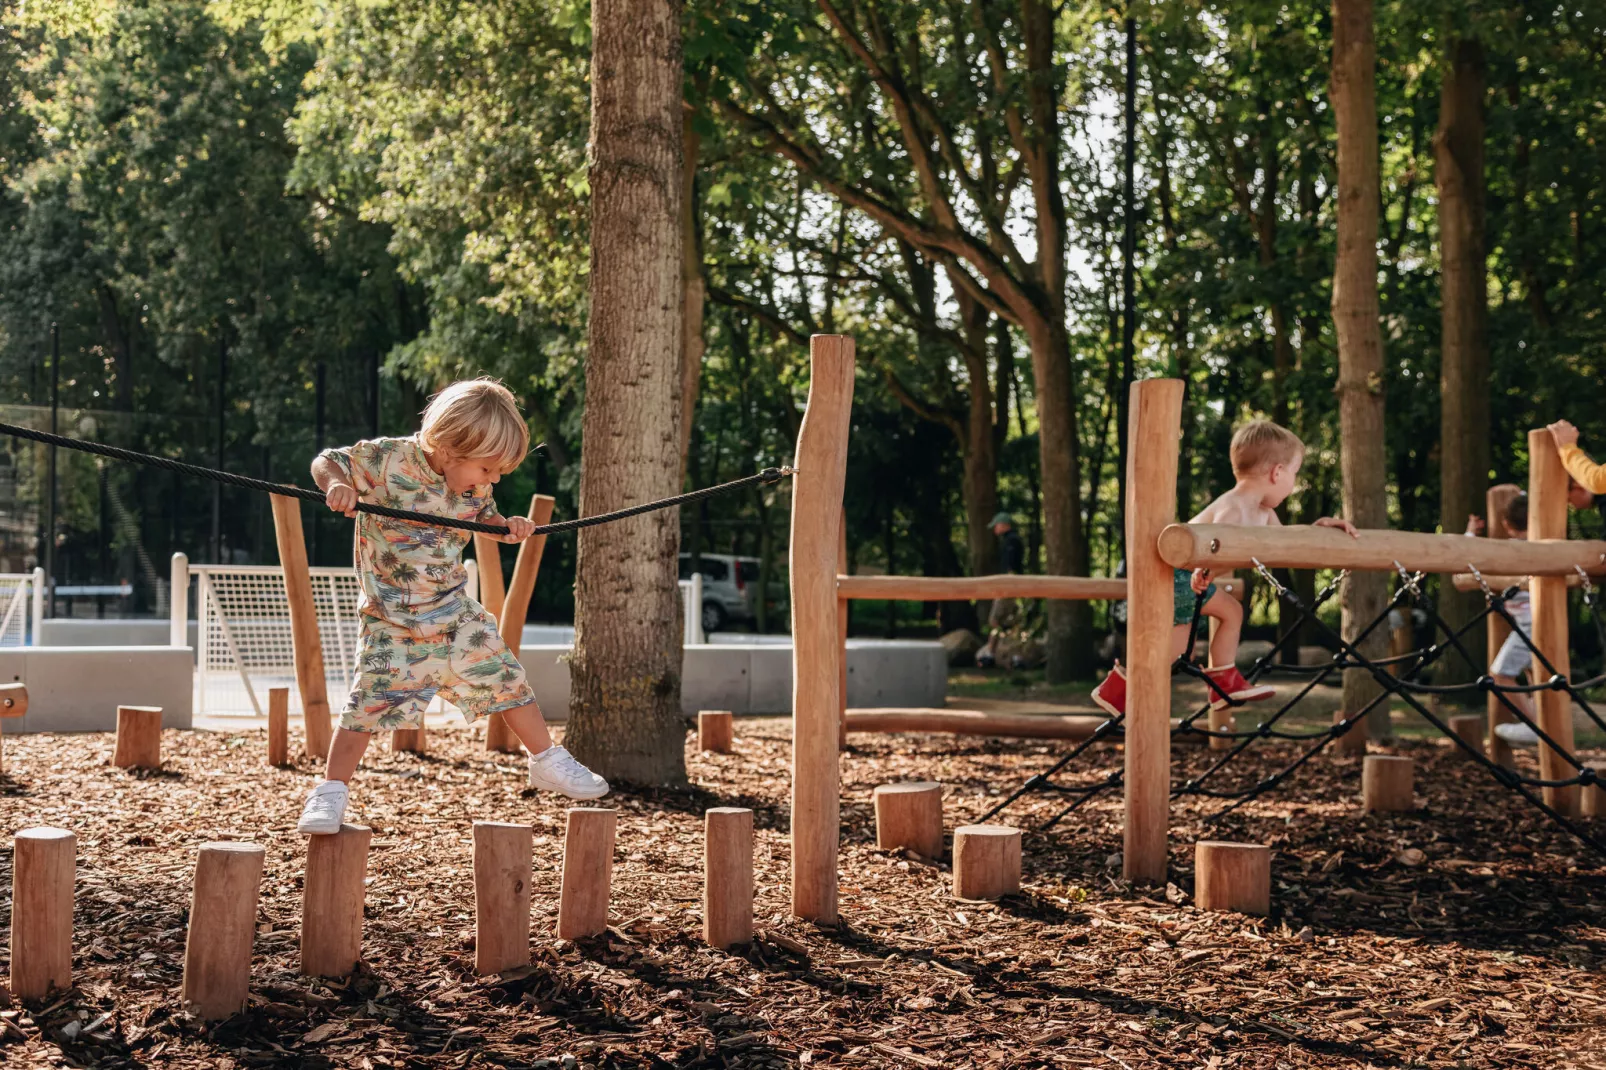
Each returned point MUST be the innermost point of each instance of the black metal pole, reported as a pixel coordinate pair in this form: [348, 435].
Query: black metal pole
[50, 478]
[1129, 242]
[222, 415]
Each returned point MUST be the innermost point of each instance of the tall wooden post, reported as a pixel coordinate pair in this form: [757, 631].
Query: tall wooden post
[1547, 519]
[278, 726]
[515, 607]
[1151, 488]
[305, 643]
[223, 926]
[1495, 502]
[43, 863]
[822, 457]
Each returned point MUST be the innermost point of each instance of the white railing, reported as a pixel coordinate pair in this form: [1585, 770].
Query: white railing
[691, 600]
[22, 607]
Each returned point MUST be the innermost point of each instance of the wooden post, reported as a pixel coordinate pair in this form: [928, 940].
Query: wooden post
[43, 863]
[278, 726]
[503, 872]
[1593, 798]
[1232, 876]
[727, 876]
[986, 861]
[587, 872]
[1495, 502]
[1547, 519]
[842, 610]
[331, 902]
[909, 817]
[1386, 783]
[305, 642]
[515, 607]
[13, 703]
[139, 738]
[1469, 728]
[817, 655]
[714, 731]
[223, 925]
[1353, 741]
[410, 740]
[1153, 445]
[488, 555]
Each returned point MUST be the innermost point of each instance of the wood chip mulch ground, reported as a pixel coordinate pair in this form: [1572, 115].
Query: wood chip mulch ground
[1471, 933]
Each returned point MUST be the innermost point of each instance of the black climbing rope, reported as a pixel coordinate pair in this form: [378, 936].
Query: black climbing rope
[768, 475]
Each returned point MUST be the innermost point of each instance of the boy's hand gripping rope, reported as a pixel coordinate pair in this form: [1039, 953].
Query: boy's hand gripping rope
[768, 475]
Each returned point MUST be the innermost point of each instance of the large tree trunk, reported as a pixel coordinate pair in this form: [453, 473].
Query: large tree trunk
[1360, 339]
[1464, 350]
[624, 705]
[1070, 642]
[691, 339]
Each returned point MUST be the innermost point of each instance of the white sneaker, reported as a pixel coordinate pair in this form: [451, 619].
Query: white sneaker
[555, 769]
[1517, 734]
[325, 808]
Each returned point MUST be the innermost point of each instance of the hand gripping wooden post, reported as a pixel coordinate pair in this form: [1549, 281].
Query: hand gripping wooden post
[305, 643]
[1547, 519]
[1232, 876]
[714, 731]
[139, 738]
[986, 861]
[503, 873]
[331, 902]
[41, 911]
[1387, 783]
[13, 703]
[587, 872]
[909, 817]
[223, 925]
[515, 607]
[728, 876]
[822, 455]
[278, 726]
[1495, 502]
[1153, 444]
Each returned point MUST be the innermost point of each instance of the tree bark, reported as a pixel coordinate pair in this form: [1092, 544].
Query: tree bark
[1463, 348]
[692, 344]
[624, 707]
[1355, 320]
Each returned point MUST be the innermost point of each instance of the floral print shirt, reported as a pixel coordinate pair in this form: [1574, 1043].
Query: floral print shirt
[411, 574]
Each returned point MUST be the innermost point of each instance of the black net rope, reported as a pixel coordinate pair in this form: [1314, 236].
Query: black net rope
[768, 475]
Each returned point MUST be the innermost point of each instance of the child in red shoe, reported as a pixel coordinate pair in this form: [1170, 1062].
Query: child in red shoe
[1265, 461]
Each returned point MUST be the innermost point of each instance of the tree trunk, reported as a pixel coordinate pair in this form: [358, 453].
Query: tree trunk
[1355, 320]
[1069, 642]
[1464, 350]
[624, 707]
[691, 343]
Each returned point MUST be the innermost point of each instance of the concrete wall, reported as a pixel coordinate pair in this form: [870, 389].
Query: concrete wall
[78, 689]
[67, 631]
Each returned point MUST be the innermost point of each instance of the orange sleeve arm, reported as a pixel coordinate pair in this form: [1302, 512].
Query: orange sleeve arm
[1589, 475]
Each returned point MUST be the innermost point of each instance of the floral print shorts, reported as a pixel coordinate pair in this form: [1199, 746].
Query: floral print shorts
[399, 670]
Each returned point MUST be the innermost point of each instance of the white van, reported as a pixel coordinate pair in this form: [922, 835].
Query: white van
[730, 588]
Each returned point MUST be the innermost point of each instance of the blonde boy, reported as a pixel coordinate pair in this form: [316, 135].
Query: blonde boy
[421, 635]
[1265, 461]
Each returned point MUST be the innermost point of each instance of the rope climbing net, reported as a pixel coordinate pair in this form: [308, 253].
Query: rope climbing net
[1402, 683]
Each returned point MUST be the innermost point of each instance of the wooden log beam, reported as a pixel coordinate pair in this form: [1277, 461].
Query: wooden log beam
[1466, 581]
[973, 588]
[1072, 726]
[1230, 546]
[305, 644]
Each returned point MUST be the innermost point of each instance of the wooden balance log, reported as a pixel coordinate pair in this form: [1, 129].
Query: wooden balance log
[909, 817]
[587, 872]
[43, 865]
[1232, 876]
[332, 900]
[986, 861]
[728, 876]
[139, 738]
[1387, 783]
[714, 731]
[223, 916]
[503, 873]
[1468, 728]
[13, 703]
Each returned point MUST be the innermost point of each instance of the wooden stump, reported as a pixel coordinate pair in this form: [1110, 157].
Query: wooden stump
[278, 726]
[728, 876]
[714, 731]
[331, 902]
[587, 872]
[1232, 876]
[223, 924]
[408, 739]
[1353, 739]
[1593, 800]
[139, 738]
[909, 816]
[41, 911]
[13, 703]
[986, 861]
[502, 877]
[1469, 729]
[1386, 783]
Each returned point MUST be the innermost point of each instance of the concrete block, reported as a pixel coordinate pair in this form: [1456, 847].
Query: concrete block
[715, 678]
[546, 667]
[897, 673]
[770, 670]
[78, 689]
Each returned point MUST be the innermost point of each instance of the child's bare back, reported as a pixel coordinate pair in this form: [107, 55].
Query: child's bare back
[1240, 505]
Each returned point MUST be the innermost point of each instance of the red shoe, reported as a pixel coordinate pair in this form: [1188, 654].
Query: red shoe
[1228, 679]
[1111, 692]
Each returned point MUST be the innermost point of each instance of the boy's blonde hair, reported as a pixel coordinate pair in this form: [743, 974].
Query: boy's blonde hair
[476, 418]
[1261, 444]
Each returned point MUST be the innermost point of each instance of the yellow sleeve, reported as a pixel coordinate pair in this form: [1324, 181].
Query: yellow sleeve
[1590, 476]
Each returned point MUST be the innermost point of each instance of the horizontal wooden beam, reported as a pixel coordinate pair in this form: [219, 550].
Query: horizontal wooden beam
[1466, 581]
[1229, 546]
[971, 588]
[981, 723]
